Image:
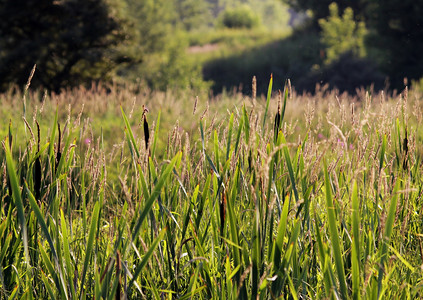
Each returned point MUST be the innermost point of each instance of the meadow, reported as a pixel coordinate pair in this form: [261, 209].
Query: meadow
[127, 193]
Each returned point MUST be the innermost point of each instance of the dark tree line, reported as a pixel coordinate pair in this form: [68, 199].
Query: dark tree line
[395, 32]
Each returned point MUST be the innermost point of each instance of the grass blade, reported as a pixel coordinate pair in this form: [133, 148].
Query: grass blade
[146, 257]
[269, 95]
[336, 245]
[90, 245]
[16, 195]
[389, 225]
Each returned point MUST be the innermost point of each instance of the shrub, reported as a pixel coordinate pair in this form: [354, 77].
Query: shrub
[240, 17]
[342, 34]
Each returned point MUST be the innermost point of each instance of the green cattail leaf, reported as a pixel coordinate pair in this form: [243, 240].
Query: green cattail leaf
[389, 226]
[146, 257]
[51, 270]
[228, 146]
[153, 196]
[216, 148]
[269, 95]
[285, 98]
[290, 170]
[66, 252]
[324, 258]
[355, 255]
[47, 285]
[246, 125]
[16, 195]
[90, 244]
[232, 218]
[281, 234]
[156, 134]
[382, 153]
[40, 219]
[238, 135]
[131, 135]
[52, 138]
[355, 273]
[256, 252]
[334, 236]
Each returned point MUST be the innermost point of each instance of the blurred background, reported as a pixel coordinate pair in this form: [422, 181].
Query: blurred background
[216, 45]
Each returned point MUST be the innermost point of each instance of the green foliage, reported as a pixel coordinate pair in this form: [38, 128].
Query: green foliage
[72, 42]
[342, 34]
[194, 14]
[242, 16]
[321, 9]
[162, 47]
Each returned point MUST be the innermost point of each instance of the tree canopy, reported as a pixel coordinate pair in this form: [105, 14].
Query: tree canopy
[71, 41]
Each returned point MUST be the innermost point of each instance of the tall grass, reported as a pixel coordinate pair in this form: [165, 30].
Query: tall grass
[284, 197]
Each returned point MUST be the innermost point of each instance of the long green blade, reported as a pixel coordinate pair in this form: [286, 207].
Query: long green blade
[333, 230]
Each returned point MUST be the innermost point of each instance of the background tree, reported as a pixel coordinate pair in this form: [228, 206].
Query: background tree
[71, 41]
[342, 34]
[194, 14]
[397, 31]
[161, 45]
[320, 9]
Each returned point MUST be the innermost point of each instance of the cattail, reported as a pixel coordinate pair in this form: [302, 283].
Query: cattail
[10, 134]
[37, 167]
[118, 271]
[145, 126]
[278, 115]
[405, 148]
[59, 153]
[250, 161]
[222, 213]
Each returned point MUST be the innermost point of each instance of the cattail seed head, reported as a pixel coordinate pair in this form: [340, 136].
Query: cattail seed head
[59, 153]
[145, 126]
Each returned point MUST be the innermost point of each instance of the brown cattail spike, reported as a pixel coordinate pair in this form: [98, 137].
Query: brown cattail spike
[59, 153]
[222, 213]
[278, 115]
[405, 148]
[145, 126]
[118, 271]
[10, 134]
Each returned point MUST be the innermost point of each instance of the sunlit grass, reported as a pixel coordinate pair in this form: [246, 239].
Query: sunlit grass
[291, 196]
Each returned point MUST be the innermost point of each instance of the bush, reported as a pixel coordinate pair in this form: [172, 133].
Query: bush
[342, 34]
[240, 17]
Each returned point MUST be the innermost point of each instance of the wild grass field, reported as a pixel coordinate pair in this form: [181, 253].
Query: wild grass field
[127, 193]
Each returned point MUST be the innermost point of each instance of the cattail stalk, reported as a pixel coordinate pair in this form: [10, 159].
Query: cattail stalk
[59, 153]
[37, 168]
